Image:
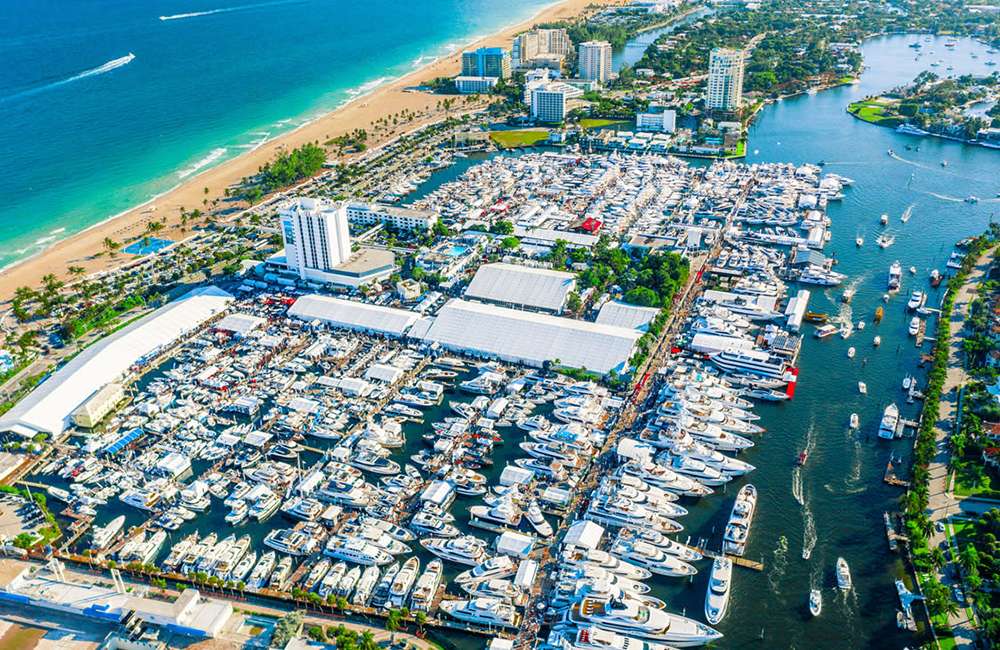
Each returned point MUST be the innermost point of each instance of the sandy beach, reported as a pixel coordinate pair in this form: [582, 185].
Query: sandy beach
[83, 249]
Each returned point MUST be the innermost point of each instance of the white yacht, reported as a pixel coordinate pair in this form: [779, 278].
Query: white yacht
[243, 567]
[538, 521]
[914, 328]
[754, 362]
[500, 566]
[717, 596]
[403, 582]
[265, 506]
[347, 584]
[325, 576]
[503, 516]
[483, 611]
[466, 549]
[734, 540]
[366, 584]
[652, 558]
[102, 537]
[262, 571]
[895, 275]
[595, 638]
[427, 586]
[426, 523]
[290, 541]
[855, 421]
[576, 557]
[630, 617]
[238, 513]
[356, 550]
[890, 419]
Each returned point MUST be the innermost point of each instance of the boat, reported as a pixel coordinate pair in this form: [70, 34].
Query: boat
[824, 331]
[879, 313]
[850, 352]
[538, 521]
[279, 578]
[103, 536]
[885, 240]
[843, 574]
[914, 327]
[862, 388]
[501, 566]
[816, 317]
[859, 241]
[935, 278]
[884, 219]
[917, 299]
[734, 539]
[353, 549]
[890, 419]
[848, 295]
[347, 583]
[895, 276]
[403, 582]
[466, 549]
[802, 458]
[815, 602]
[483, 611]
[595, 638]
[427, 587]
[366, 584]
[262, 571]
[238, 513]
[290, 541]
[907, 382]
[717, 595]
[631, 617]
[854, 422]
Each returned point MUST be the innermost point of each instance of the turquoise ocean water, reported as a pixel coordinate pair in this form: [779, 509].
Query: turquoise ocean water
[104, 105]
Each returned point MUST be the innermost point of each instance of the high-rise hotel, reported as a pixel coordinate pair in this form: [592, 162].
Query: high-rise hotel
[594, 61]
[725, 80]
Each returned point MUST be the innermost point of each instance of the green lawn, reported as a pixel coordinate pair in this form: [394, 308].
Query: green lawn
[513, 139]
[597, 122]
[740, 151]
[970, 481]
[874, 112]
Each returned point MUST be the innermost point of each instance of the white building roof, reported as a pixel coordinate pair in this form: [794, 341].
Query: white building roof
[385, 373]
[522, 285]
[48, 407]
[239, 323]
[531, 338]
[585, 534]
[352, 315]
[621, 314]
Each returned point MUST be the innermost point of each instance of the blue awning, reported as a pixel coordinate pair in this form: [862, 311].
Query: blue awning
[122, 442]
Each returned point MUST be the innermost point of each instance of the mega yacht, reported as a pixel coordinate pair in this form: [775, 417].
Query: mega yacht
[503, 516]
[501, 566]
[350, 580]
[102, 537]
[466, 549]
[483, 611]
[426, 587]
[538, 521]
[356, 550]
[630, 617]
[243, 567]
[179, 552]
[734, 539]
[366, 585]
[652, 558]
[890, 419]
[696, 469]
[403, 582]
[281, 574]
[290, 541]
[262, 571]
[577, 557]
[755, 362]
[717, 596]
[596, 638]
[428, 524]
[391, 529]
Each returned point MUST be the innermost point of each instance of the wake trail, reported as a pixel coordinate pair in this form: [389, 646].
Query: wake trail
[113, 64]
[223, 10]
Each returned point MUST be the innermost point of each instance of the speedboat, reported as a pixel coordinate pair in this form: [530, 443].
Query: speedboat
[862, 388]
[717, 596]
[843, 574]
[652, 558]
[854, 420]
[596, 638]
[815, 602]
[914, 328]
[538, 521]
[890, 419]
[851, 352]
[916, 300]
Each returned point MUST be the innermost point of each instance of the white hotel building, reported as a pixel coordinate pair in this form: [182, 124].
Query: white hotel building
[725, 80]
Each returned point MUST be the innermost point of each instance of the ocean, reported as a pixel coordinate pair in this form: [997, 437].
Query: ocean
[105, 104]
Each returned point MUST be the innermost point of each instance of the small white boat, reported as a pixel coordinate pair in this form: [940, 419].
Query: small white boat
[913, 270]
[914, 326]
[862, 388]
[850, 352]
[855, 421]
[815, 602]
[843, 574]
[861, 326]
[907, 382]
[859, 241]
[884, 219]
[877, 341]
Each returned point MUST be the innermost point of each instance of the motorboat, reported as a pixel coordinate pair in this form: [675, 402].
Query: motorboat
[851, 352]
[914, 327]
[884, 219]
[426, 587]
[815, 602]
[735, 537]
[596, 638]
[877, 341]
[500, 566]
[717, 595]
[238, 513]
[366, 585]
[483, 611]
[629, 616]
[290, 541]
[862, 388]
[575, 556]
[282, 572]
[103, 536]
[352, 549]
[843, 574]
[346, 584]
[895, 275]
[824, 331]
[652, 558]
[854, 421]
[466, 549]
[428, 524]
[890, 419]
[262, 570]
[403, 582]
[538, 521]
[916, 300]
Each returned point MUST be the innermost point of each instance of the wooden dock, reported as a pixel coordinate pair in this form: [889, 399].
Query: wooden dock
[891, 478]
[736, 559]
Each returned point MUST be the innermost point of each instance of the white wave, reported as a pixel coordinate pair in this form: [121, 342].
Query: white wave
[41, 241]
[421, 60]
[797, 485]
[213, 155]
[367, 87]
[220, 10]
[57, 231]
[113, 64]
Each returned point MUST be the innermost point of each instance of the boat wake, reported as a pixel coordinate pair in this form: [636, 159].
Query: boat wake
[223, 10]
[113, 64]
[855, 475]
[907, 213]
[779, 564]
[945, 197]
[797, 486]
[809, 536]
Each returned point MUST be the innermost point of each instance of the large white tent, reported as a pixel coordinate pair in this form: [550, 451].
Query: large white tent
[522, 286]
[358, 316]
[531, 338]
[47, 409]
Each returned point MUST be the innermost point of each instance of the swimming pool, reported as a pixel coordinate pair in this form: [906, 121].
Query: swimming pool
[456, 250]
[147, 246]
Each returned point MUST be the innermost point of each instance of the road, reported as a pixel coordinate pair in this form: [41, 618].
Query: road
[942, 503]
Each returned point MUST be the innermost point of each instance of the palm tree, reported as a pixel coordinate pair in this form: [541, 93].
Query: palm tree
[76, 271]
[392, 623]
[154, 227]
[111, 246]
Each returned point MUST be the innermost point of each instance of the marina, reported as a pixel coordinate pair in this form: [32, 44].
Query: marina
[291, 443]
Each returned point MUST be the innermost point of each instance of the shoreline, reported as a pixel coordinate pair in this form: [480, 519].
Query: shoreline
[84, 248]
